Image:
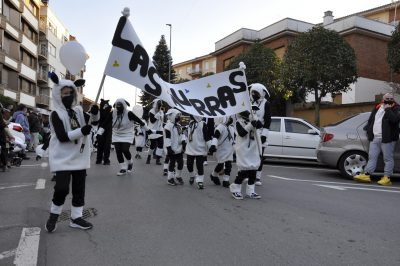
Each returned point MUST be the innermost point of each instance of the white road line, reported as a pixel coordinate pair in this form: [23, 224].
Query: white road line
[28, 247]
[18, 186]
[40, 184]
[30, 165]
[331, 182]
[359, 188]
[7, 254]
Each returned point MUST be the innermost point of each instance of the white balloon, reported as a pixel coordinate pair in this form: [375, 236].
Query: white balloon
[138, 110]
[73, 56]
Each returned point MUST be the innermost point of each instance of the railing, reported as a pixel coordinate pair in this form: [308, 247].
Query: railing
[43, 51]
[43, 99]
[42, 75]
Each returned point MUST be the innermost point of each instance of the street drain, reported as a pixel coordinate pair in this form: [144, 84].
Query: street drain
[86, 213]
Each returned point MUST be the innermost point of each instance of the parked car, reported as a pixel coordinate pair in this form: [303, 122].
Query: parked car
[344, 146]
[292, 138]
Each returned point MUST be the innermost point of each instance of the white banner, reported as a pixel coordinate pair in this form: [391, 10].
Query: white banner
[222, 94]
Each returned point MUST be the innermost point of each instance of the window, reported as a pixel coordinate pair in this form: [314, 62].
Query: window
[189, 70]
[27, 87]
[32, 7]
[4, 77]
[293, 126]
[197, 68]
[29, 32]
[52, 28]
[27, 59]
[275, 125]
[52, 50]
[206, 66]
[227, 62]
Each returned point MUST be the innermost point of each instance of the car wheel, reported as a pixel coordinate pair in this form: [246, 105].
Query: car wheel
[352, 163]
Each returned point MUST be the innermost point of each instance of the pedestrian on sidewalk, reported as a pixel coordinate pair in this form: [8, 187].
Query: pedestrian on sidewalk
[383, 133]
[123, 134]
[69, 153]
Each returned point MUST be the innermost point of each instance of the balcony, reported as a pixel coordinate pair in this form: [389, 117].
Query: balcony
[43, 100]
[42, 78]
[43, 52]
[195, 73]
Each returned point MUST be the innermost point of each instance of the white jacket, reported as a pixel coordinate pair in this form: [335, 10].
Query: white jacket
[122, 127]
[196, 145]
[247, 156]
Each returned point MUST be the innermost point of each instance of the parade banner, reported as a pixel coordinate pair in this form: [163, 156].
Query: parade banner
[222, 94]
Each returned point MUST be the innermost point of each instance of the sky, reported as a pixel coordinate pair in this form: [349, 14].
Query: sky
[196, 26]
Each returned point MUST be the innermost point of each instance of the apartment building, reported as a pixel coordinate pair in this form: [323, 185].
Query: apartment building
[31, 38]
[368, 32]
[195, 68]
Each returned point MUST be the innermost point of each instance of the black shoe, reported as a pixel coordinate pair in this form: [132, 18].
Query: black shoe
[225, 184]
[191, 180]
[130, 166]
[215, 179]
[148, 159]
[200, 185]
[171, 182]
[107, 162]
[98, 161]
[158, 162]
[180, 180]
[165, 172]
[51, 224]
[80, 223]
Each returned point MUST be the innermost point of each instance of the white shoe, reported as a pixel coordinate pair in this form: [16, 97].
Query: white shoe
[258, 182]
[237, 195]
[121, 172]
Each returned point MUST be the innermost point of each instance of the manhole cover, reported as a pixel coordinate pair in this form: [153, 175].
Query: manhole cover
[87, 213]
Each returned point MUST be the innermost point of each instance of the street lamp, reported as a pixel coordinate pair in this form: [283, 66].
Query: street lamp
[170, 51]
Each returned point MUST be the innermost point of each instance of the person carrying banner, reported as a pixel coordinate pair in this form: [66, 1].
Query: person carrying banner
[122, 137]
[222, 144]
[259, 94]
[175, 143]
[196, 149]
[155, 124]
[69, 153]
[247, 156]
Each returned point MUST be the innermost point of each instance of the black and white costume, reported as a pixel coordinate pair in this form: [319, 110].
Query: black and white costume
[247, 156]
[140, 138]
[122, 137]
[104, 133]
[258, 94]
[196, 149]
[222, 144]
[175, 142]
[155, 124]
[69, 151]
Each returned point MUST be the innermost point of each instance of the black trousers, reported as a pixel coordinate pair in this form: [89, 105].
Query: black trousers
[227, 169]
[199, 163]
[3, 154]
[262, 159]
[243, 174]
[175, 158]
[122, 149]
[104, 146]
[61, 188]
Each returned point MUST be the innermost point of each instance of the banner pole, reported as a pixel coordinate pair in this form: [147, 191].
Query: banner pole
[256, 136]
[100, 87]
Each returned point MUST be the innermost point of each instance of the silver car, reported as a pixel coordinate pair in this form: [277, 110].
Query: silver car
[344, 146]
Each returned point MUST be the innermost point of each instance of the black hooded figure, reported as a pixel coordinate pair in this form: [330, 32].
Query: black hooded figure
[104, 133]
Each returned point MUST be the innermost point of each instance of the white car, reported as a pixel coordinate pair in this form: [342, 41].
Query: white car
[292, 138]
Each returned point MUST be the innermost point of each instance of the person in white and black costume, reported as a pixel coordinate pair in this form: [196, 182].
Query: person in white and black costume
[196, 149]
[140, 138]
[69, 151]
[155, 124]
[259, 94]
[123, 134]
[247, 156]
[222, 144]
[175, 143]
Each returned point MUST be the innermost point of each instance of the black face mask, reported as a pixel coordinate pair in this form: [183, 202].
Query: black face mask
[177, 119]
[388, 102]
[120, 109]
[255, 96]
[67, 101]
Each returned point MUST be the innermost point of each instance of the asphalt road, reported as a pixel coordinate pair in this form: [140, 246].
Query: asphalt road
[308, 215]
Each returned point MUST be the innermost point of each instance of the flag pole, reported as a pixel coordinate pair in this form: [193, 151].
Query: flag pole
[242, 66]
[100, 88]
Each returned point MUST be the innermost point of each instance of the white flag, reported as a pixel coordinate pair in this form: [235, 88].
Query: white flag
[222, 94]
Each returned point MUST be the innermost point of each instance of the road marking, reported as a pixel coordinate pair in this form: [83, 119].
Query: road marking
[28, 247]
[40, 184]
[7, 254]
[359, 188]
[331, 182]
[30, 165]
[17, 186]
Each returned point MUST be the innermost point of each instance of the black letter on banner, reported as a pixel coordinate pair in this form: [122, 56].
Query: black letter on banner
[226, 95]
[178, 101]
[199, 106]
[213, 108]
[139, 57]
[157, 91]
[118, 41]
[242, 85]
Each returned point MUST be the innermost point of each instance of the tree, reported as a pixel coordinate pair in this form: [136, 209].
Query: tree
[161, 60]
[319, 61]
[262, 66]
[7, 101]
[394, 51]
